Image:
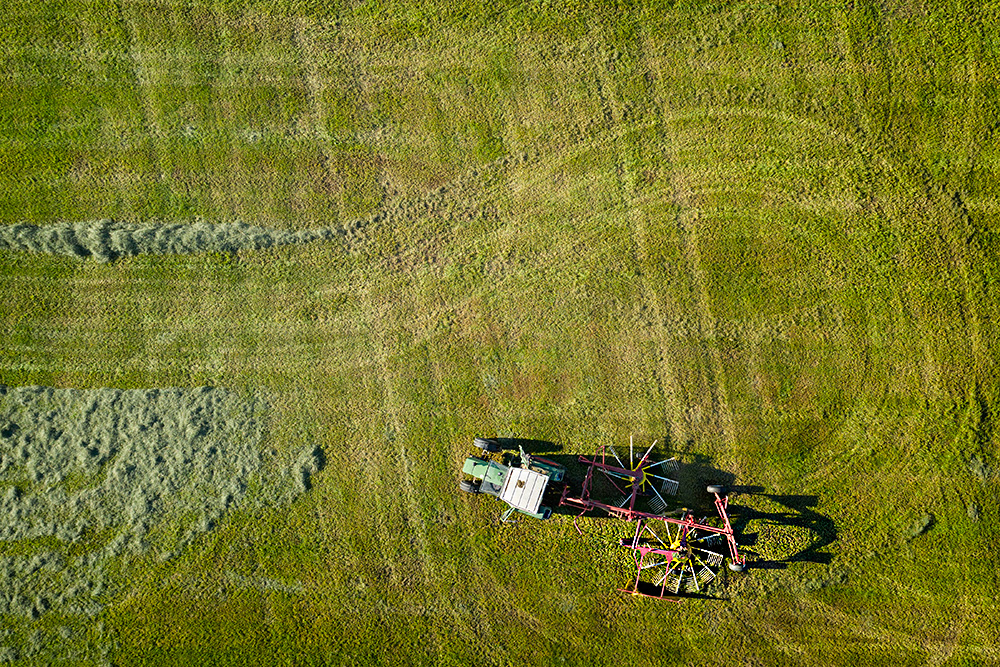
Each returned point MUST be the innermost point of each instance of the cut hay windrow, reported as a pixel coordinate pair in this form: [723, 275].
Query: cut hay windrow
[106, 240]
[91, 479]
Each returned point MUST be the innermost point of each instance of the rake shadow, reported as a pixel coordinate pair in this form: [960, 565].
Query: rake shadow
[799, 514]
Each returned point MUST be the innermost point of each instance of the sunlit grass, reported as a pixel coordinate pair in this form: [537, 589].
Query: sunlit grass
[764, 235]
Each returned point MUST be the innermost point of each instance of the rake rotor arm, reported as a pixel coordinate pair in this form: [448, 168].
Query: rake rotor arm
[721, 503]
[586, 503]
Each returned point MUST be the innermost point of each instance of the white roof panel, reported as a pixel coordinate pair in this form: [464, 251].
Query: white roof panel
[524, 489]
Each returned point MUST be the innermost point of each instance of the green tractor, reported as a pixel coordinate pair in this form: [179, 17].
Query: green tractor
[518, 479]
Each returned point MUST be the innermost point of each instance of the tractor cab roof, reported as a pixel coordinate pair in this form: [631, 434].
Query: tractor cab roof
[523, 489]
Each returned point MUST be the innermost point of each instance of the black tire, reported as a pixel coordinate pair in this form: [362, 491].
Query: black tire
[717, 489]
[487, 445]
[737, 567]
[469, 486]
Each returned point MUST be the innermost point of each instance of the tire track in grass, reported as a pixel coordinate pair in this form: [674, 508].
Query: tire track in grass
[665, 376]
[140, 74]
[703, 188]
[935, 204]
[705, 323]
[303, 40]
[634, 207]
[393, 407]
[956, 225]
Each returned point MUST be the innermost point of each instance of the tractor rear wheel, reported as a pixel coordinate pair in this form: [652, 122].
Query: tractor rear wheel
[487, 445]
[469, 486]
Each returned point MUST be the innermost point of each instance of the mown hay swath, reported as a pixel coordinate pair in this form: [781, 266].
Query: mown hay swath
[92, 479]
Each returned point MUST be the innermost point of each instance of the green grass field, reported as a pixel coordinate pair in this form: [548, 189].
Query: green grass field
[764, 233]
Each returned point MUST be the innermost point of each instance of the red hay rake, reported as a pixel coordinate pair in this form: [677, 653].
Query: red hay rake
[681, 557]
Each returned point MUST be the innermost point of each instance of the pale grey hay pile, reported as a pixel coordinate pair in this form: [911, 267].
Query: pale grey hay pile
[91, 479]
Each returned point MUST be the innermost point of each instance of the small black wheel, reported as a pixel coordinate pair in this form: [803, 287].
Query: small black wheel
[737, 567]
[487, 445]
[717, 489]
[469, 486]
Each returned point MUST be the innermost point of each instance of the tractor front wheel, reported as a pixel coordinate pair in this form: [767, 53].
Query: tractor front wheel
[487, 445]
[469, 486]
[737, 567]
[717, 489]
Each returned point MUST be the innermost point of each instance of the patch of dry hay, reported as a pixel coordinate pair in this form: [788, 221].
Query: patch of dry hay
[92, 479]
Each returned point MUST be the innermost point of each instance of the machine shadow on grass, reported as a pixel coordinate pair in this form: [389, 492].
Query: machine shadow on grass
[695, 473]
[797, 513]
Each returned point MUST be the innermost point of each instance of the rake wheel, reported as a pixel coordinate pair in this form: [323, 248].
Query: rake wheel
[678, 560]
[647, 479]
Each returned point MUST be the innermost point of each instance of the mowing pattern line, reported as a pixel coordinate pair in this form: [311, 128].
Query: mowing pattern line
[394, 435]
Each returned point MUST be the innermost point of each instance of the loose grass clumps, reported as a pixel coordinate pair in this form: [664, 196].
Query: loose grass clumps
[92, 480]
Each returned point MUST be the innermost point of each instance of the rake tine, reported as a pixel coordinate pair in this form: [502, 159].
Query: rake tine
[615, 454]
[658, 495]
[656, 536]
[648, 450]
[649, 565]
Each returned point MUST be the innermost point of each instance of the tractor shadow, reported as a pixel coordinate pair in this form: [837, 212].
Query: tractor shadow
[531, 446]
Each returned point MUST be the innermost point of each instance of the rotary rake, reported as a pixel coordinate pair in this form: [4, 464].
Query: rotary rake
[680, 557]
[674, 553]
[634, 486]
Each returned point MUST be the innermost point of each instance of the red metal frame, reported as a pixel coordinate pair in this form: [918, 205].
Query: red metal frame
[586, 504]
